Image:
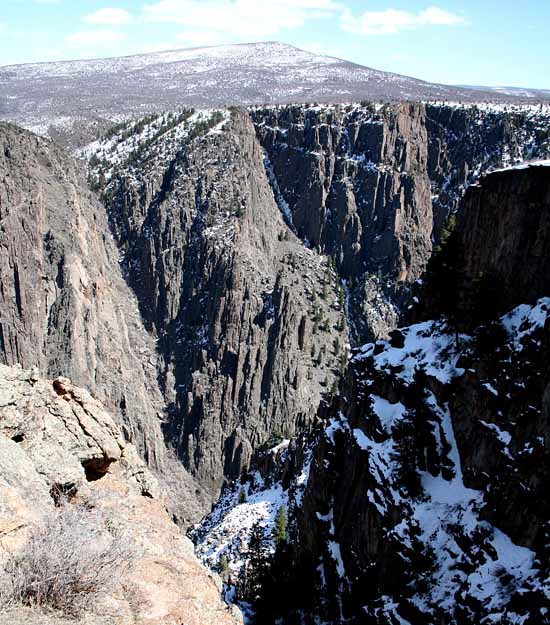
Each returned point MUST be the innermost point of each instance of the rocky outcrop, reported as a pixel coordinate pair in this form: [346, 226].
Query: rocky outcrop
[60, 449]
[504, 233]
[467, 141]
[484, 400]
[215, 232]
[64, 306]
[496, 256]
[435, 460]
[366, 200]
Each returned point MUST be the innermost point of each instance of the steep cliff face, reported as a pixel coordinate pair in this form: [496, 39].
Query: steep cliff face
[216, 323]
[224, 228]
[444, 441]
[64, 465]
[372, 185]
[366, 198]
[353, 184]
[437, 461]
[249, 322]
[425, 485]
[509, 212]
[219, 218]
[64, 306]
[467, 141]
[496, 257]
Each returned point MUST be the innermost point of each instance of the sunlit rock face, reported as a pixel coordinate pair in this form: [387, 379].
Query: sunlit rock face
[64, 463]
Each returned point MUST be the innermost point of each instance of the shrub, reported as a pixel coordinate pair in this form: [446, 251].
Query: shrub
[68, 562]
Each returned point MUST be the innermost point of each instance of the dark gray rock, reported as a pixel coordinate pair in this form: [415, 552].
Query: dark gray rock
[248, 320]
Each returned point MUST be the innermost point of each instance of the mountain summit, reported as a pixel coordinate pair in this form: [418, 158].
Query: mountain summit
[40, 94]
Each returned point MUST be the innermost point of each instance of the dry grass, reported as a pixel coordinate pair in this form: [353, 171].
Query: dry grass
[68, 563]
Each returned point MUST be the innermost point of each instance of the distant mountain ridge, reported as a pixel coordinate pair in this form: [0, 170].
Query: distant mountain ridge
[520, 92]
[38, 95]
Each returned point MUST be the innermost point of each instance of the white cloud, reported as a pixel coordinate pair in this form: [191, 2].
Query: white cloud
[242, 19]
[108, 16]
[393, 21]
[95, 37]
[437, 16]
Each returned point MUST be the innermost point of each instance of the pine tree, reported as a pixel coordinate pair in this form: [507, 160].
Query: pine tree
[446, 231]
[486, 296]
[421, 435]
[341, 297]
[447, 281]
[259, 560]
[405, 445]
[281, 522]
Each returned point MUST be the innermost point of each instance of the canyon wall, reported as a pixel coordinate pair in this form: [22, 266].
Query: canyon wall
[420, 498]
[64, 305]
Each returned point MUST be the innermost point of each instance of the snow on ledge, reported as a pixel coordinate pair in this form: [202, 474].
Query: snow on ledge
[524, 165]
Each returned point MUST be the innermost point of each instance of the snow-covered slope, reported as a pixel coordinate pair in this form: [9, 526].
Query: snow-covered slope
[445, 557]
[60, 93]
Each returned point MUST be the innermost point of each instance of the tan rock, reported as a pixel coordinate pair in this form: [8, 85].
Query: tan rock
[56, 444]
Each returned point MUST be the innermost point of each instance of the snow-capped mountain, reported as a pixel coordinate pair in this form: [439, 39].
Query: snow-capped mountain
[59, 93]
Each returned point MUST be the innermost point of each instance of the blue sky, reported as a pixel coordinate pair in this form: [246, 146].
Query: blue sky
[460, 42]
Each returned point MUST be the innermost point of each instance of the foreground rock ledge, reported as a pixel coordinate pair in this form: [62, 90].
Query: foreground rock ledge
[56, 440]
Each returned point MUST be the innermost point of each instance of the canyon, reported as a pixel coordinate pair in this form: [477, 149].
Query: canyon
[229, 283]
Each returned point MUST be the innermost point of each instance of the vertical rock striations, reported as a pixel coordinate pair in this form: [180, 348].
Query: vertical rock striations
[425, 484]
[497, 253]
[435, 454]
[355, 182]
[249, 323]
[504, 233]
[467, 141]
[372, 185]
[64, 306]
